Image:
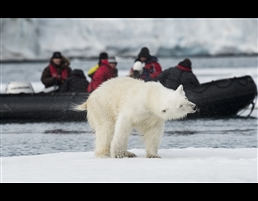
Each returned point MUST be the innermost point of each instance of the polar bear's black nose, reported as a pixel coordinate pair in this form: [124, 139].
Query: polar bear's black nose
[194, 108]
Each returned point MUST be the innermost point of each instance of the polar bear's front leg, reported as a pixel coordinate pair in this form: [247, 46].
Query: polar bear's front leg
[123, 129]
[152, 138]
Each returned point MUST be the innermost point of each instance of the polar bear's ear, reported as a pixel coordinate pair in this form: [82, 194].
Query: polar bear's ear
[180, 89]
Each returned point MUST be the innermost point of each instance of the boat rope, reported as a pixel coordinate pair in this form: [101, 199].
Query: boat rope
[253, 105]
[252, 108]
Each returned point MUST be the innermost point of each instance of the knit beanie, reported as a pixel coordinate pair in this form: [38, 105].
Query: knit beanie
[103, 55]
[186, 63]
[144, 53]
[57, 55]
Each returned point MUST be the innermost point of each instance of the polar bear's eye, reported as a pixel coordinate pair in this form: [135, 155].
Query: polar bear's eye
[180, 106]
[163, 111]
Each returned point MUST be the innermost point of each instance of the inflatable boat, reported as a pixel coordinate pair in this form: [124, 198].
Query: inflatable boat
[216, 99]
[223, 98]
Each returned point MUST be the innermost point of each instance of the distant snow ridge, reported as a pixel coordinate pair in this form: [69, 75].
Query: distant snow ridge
[34, 39]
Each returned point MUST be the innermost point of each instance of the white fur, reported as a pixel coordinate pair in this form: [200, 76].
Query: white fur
[120, 105]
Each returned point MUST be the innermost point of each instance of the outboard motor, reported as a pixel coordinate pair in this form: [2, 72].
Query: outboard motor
[19, 87]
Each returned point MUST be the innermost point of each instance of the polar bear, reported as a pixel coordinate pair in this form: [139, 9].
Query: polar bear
[122, 104]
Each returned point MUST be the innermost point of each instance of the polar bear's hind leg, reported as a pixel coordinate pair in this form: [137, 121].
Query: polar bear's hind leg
[104, 135]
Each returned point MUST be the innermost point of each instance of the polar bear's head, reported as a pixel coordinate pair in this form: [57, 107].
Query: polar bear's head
[176, 105]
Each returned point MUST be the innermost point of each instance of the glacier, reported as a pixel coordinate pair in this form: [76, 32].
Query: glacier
[32, 39]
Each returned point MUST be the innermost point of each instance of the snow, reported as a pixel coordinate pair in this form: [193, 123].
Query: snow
[202, 165]
[37, 38]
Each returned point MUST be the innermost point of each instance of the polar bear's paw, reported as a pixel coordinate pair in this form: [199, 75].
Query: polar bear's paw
[153, 156]
[130, 154]
[123, 154]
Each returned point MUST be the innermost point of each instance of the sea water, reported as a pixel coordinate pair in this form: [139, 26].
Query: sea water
[52, 137]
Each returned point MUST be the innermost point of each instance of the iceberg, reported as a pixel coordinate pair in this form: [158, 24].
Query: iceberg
[37, 38]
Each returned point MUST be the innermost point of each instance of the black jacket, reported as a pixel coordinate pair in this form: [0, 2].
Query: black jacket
[174, 76]
[77, 82]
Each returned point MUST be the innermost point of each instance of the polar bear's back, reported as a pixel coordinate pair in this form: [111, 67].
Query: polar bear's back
[126, 86]
[120, 93]
[121, 83]
[118, 88]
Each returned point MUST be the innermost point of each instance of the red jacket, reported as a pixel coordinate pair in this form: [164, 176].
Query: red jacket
[104, 73]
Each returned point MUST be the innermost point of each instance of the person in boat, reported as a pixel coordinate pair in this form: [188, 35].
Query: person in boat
[180, 74]
[102, 74]
[58, 70]
[150, 63]
[113, 63]
[77, 82]
[140, 72]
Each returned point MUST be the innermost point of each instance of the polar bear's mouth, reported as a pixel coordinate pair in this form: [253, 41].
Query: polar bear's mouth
[193, 108]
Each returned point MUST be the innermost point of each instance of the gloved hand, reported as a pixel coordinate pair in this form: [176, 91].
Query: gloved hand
[58, 77]
[55, 81]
